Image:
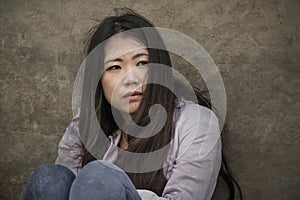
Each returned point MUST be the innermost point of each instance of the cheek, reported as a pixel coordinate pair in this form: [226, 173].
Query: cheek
[106, 86]
[109, 86]
[144, 73]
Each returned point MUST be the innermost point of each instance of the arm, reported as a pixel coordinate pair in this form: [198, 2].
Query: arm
[194, 172]
[70, 147]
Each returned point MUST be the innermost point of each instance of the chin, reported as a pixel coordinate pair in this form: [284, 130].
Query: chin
[128, 109]
[133, 110]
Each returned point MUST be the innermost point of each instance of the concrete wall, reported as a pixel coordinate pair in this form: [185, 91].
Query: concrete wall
[255, 44]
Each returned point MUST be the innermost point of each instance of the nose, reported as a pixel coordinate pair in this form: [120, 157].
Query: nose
[132, 77]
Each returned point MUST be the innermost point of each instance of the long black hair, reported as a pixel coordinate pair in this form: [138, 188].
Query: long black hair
[130, 23]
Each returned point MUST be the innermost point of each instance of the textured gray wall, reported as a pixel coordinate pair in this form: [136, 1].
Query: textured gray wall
[254, 43]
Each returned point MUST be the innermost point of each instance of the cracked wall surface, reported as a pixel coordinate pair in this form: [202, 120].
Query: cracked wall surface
[254, 43]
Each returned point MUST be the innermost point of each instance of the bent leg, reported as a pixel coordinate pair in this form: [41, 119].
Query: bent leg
[103, 180]
[48, 182]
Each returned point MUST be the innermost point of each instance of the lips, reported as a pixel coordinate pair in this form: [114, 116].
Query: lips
[132, 94]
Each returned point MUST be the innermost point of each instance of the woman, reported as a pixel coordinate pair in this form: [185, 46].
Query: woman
[159, 150]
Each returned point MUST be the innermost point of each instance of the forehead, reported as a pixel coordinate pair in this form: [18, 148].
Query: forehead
[120, 46]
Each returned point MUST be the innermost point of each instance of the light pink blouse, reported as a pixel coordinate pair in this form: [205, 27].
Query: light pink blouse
[193, 163]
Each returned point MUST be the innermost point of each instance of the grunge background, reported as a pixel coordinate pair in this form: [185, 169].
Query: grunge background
[255, 44]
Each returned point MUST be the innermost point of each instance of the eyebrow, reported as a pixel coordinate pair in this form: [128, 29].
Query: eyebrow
[133, 57]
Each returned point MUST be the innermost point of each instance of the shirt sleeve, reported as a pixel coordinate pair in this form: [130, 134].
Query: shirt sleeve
[197, 161]
[70, 150]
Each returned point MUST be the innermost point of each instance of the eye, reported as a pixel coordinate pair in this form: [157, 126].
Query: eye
[142, 63]
[114, 67]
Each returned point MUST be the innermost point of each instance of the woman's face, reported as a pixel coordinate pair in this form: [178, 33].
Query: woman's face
[125, 73]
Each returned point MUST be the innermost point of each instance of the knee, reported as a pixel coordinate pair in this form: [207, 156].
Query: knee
[52, 170]
[100, 165]
[50, 174]
[48, 181]
[102, 171]
[99, 178]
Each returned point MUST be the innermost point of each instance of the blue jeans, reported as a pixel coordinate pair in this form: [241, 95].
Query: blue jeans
[97, 180]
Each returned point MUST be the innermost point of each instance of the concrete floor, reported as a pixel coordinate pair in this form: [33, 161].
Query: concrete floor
[255, 44]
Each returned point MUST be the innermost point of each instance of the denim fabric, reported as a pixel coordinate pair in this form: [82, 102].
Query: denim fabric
[97, 180]
[48, 182]
[103, 180]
